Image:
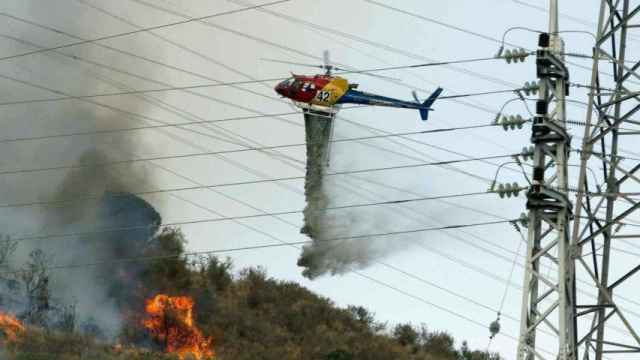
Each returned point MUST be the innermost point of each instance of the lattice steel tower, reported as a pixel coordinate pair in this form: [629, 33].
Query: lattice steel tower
[603, 210]
[549, 286]
[582, 321]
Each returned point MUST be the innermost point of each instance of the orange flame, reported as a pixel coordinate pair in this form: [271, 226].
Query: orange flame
[10, 326]
[170, 321]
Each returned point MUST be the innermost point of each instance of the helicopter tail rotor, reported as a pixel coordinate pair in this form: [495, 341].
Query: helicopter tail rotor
[425, 107]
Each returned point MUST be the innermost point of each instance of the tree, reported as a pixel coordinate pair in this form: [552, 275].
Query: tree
[439, 343]
[8, 282]
[467, 354]
[7, 248]
[35, 278]
[365, 317]
[217, 272]
[406, 335]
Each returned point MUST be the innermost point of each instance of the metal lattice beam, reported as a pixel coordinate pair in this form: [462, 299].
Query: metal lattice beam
[612, 103]
[547, 302]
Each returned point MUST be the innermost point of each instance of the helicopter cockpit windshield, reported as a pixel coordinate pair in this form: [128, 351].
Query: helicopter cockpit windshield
[284, 87]
[288, 82]
[296, 85]
[301, 89]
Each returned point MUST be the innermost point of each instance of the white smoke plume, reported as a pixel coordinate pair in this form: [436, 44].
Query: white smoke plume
[88, 198]
[326, 255]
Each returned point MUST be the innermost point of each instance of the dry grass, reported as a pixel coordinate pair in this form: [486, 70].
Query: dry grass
[36, 344]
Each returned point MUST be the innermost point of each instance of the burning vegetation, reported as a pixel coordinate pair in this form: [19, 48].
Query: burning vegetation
[170, 321]
[249, 315]
[11, 327]
[127, 314]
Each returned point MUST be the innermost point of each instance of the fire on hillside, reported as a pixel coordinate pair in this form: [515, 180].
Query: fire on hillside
[170, 322]
[10, 327]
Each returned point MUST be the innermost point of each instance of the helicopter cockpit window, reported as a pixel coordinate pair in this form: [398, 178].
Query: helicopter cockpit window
[297, 85]
[288, 82]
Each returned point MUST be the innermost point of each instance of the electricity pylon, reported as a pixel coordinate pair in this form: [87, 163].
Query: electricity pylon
[549, 280]
[601, 210]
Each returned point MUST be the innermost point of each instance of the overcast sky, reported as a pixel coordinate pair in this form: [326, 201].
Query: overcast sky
[474, 263]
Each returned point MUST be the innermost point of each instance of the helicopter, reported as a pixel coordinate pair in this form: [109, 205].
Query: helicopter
[326, 92]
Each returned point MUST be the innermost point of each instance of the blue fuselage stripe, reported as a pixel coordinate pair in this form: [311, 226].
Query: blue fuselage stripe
[359, 97]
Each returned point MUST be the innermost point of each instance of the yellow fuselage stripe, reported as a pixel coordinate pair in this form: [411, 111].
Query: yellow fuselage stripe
[332, 92]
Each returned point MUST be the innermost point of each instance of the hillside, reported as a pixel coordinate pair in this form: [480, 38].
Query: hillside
[245, 316]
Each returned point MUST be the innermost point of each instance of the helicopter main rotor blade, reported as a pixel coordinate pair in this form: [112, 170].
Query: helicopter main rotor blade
[344, 71]
[380, 76]
[365, 72]
[293, 63]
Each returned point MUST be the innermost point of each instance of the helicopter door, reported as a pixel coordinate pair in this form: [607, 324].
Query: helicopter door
[305, 90]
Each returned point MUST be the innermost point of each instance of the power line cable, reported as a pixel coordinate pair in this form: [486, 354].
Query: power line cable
[460, 29]
[331, 31]
[207, 86]
[457, 314]
[148, 127]
[287, 48]
[282, 244]
[239, 144]
[208, 58]
[168, 40]
[506, 259]
[148, 118]
[229, 119]
[257, 39]
[365, 41]
[181, 46]
[475, 245]
[473, 234]
[286, 161]
[396, 202]
[151, 28]
[500, 310]
[235, 163]
[249, 36]
[573, 18]
[113, 108]
[336, 239]
[200, 54]
[136, 56]
[235, 151]
[576, 19]
[172, 42]
[423, 154]
[284, 47]
[288, 222]
[250, 182]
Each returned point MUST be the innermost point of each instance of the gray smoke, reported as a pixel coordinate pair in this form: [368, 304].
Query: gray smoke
[84, 200]
[326, 255]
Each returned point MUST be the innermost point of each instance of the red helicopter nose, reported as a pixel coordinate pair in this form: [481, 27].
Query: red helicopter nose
[283, 89]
